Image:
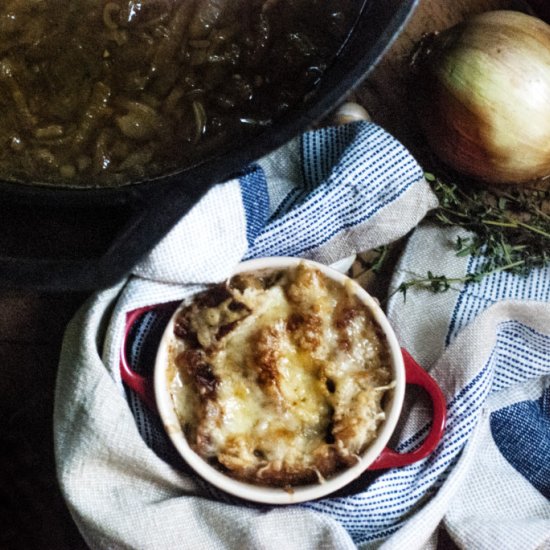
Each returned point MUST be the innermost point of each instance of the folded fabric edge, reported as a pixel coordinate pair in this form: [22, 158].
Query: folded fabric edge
[385, 227]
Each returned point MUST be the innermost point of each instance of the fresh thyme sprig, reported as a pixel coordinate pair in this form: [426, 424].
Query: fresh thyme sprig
[510, 230]
[441, 283]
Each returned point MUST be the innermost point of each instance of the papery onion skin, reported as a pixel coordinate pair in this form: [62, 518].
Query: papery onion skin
[483, 97]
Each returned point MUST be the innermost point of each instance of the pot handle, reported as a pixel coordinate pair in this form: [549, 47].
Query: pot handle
[142, 385]
[416, 375]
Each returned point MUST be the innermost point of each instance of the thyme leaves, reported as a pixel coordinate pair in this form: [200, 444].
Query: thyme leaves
[509, 229]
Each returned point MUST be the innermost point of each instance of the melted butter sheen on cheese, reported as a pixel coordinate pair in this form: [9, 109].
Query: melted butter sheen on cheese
[299, 380]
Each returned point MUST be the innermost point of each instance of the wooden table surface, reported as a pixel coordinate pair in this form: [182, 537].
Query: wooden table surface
[32, 511]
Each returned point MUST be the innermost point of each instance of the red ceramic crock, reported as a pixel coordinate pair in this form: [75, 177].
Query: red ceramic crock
[155, 392]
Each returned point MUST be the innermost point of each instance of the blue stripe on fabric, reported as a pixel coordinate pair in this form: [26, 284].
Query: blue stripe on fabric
[522, 434]
[372, 171]
[321, 152]
[299, 193]
[294, 196]
[523, 354]
[457, 309]
[476, 297]
[255, 197]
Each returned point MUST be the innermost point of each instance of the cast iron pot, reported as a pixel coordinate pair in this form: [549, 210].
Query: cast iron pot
[84, 239]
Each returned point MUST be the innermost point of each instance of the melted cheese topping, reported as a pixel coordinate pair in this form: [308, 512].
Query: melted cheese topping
[284, 384]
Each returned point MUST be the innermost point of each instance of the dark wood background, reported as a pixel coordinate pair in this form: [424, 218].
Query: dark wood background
[32, 511]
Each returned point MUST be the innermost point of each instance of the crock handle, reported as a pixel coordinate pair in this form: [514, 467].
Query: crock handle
[142, 385]
[416, 375]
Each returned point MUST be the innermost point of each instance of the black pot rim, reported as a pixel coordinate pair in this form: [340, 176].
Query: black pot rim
[155, 206]
[345, 74]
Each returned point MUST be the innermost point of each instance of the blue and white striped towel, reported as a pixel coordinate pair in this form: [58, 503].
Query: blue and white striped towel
[327, 195]
[488, 345]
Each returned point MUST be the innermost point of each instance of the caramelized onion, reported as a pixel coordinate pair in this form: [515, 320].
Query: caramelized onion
[483, 96]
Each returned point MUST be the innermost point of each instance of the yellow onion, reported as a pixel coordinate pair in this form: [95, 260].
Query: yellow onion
[483, 96]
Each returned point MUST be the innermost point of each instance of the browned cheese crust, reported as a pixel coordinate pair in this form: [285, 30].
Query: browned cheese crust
[281, 377]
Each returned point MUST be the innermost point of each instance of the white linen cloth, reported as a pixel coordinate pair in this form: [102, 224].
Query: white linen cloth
[329, 194]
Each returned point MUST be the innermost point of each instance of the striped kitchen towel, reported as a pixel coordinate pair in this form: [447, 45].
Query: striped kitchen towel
[325, 196]
[488, 345]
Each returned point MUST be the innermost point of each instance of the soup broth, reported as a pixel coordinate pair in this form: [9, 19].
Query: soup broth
[97, 93]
